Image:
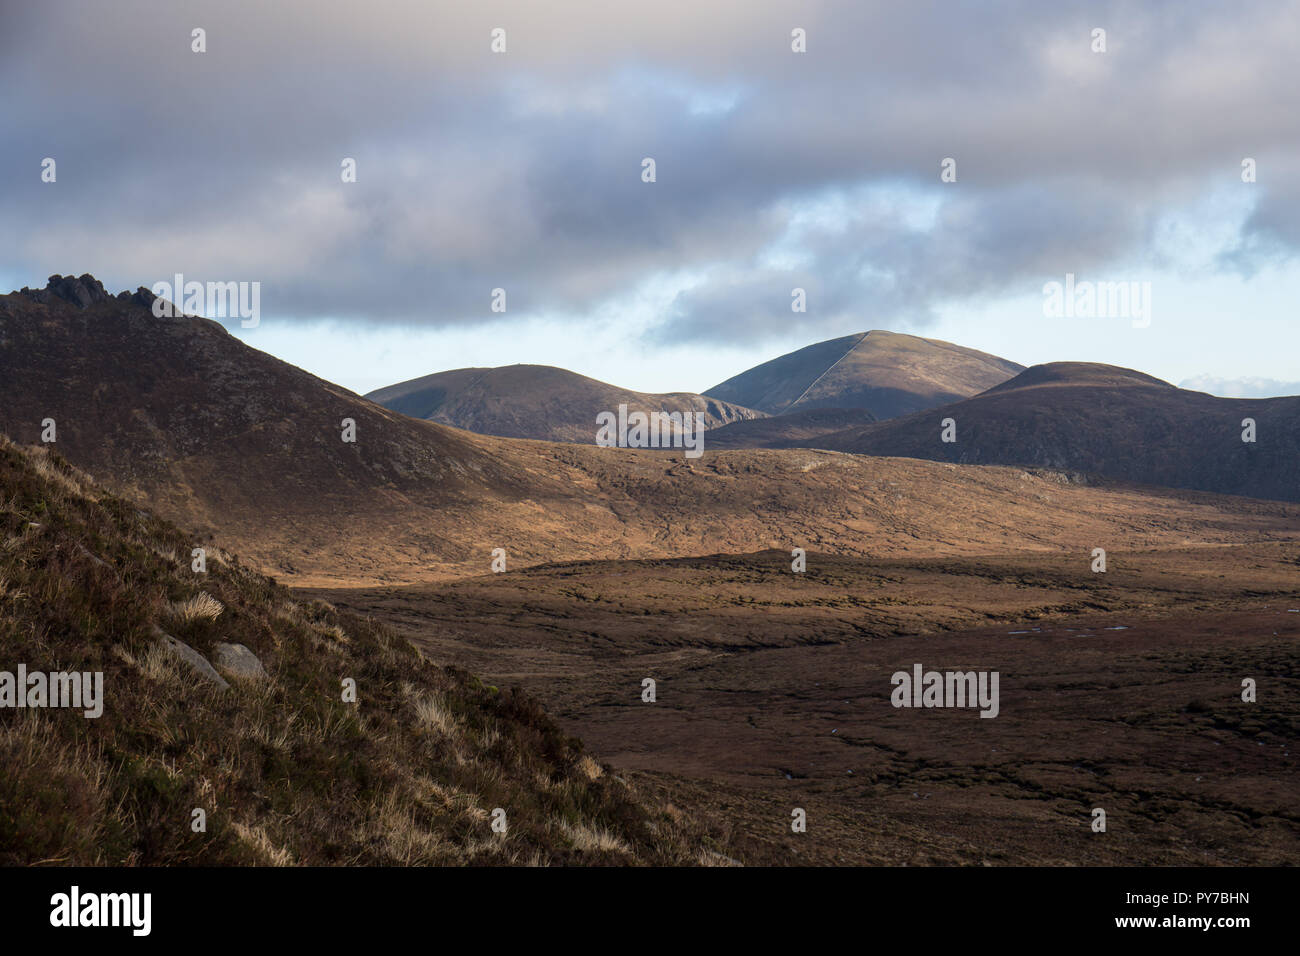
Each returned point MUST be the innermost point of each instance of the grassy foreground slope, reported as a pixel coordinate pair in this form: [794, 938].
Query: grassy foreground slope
[285, 771]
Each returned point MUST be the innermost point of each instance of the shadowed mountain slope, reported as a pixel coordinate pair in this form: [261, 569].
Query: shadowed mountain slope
[1103, 420]
[801, 428]
[537, 401]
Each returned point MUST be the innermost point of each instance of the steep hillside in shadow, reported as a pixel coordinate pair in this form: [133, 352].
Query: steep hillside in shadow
[1107, 421]
[538, 401]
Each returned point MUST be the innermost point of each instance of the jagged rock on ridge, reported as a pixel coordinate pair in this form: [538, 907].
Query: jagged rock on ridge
[82, 292]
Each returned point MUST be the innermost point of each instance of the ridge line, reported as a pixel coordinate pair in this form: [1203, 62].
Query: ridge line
[847, 352]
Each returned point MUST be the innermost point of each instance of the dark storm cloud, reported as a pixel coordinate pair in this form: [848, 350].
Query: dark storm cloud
[522, 171]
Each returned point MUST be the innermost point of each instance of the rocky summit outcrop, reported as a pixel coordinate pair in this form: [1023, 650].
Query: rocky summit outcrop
[83, 291]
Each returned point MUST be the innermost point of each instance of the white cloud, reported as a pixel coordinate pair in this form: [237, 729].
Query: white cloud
[1241, 387]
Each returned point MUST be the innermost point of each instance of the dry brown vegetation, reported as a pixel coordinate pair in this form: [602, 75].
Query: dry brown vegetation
[286, 771]
[1120, 690]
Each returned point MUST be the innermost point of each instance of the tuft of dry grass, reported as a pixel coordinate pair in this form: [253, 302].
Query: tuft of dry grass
[431, 711]
[592, 839]
[201, 607]
[266, 849]
[66, 479]
[155, 663]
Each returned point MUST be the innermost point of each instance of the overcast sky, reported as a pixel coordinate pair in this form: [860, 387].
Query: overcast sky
[522, 170]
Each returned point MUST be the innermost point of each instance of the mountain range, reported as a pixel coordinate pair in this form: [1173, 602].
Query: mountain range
[212, 433]
[885, 394]
[875, 375]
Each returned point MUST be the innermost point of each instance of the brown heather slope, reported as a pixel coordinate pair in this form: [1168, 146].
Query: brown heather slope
[887, 373]
[1108, 421]
[228, 440]
[1119, 690]
[285, 770]
[537, 401]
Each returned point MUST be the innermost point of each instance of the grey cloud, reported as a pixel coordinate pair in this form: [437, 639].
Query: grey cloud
[522, 171]
[880, 270]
